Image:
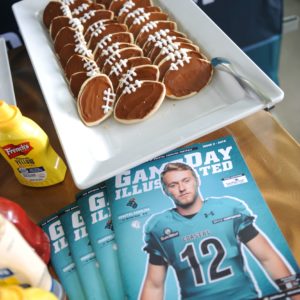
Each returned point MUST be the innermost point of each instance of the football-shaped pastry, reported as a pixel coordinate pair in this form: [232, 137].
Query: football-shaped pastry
[95, 100]
[159, 35]
[130, 14]
[123, 66]
[54, 9]
[80, 63]
[144, 72]
[139, 101]
[186, 78]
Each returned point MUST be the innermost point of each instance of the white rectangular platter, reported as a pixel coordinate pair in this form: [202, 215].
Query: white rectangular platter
[96, 153]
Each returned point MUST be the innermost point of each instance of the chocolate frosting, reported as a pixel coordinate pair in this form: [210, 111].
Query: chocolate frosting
[131, 62]
[115, 6]
[88, 32]
[65, 54]
[149, 45]
[100, 59]
[142, 36]
[52, 10]
[189, 79]
[106, 3]
[138, 61]
[63, 37]
[157, 56]
[128, 20]
[57, 24]
[141, 103]
[91, 99]
[118, 37]
[91, 6]
[146, 72]
[165, 64]
[110, 28]
[99, 15]
[76, 64]
[154, 16]
[124, 53]
[155, 51]
[76, 81]
[161, 56]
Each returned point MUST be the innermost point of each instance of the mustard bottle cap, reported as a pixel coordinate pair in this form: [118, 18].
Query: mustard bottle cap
[7, 112]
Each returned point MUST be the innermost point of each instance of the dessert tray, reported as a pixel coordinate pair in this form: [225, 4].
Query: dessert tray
[95, 154]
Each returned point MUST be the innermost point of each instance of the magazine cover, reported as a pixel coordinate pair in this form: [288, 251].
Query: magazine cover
[61, 258]
[96, 213]
[82, 253]
[192, 224]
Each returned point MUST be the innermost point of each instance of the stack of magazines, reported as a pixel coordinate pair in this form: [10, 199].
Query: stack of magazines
[189, 224]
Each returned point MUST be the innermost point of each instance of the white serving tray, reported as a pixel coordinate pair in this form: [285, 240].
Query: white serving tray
[7, 92]
[97, 153]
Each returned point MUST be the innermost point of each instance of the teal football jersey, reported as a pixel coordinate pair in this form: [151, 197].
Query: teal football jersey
[205, 250]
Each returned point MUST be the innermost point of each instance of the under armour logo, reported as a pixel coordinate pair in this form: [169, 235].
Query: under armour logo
[211, 213]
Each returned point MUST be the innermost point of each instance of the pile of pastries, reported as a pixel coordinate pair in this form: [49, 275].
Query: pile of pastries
[123, 57]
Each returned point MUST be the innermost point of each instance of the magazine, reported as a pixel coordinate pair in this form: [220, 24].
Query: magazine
[95, 211]
[82, 253]
[225, 245]
[192, 224]
[61, 258]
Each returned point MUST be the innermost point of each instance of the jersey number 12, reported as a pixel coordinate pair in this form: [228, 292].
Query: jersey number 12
[214, 267]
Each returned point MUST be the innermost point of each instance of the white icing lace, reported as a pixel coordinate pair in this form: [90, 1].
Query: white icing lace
[165, 42]
[149, 26]
[118, 67]
[80, 9]
[66, 10]
[177, 54]
[111, 49]
[109, 99]
[87, 16]
[180, 61]
[127, 78]
[158, 35]
[96, 25]
[97, 31]
[83, 50]
[126, 7]
[76, 24]
[131, 88]
[67, 2]
[136, 12]
[166, 49]
[79, 38]
[91, 67]
[103, 43]
[113, 58]
[141, 19]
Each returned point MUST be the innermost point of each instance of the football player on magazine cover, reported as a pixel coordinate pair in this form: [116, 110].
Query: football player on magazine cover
[201, 239]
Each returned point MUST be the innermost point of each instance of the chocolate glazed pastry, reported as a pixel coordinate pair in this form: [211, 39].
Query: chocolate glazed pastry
[82, 9]
[119, 69]
[76, 81]
[95, 100]
[108, 40]
[188, 79]
[144, 72]
[139, 101]
[129, 15]
[54, 9]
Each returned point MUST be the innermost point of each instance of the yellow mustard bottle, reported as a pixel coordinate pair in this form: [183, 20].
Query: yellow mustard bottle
[26, 147]
[15, 292]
